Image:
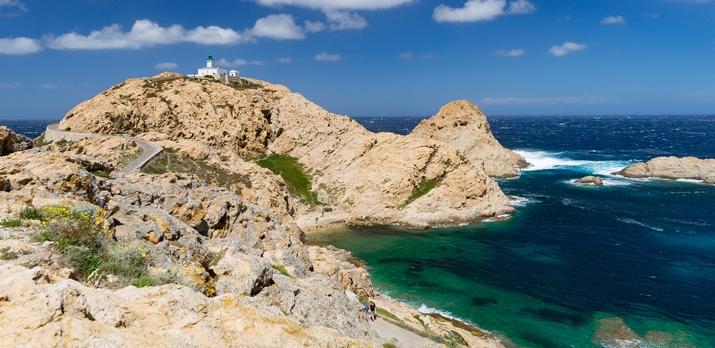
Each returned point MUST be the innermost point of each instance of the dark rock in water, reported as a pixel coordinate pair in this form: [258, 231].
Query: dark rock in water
[483, 301]
[557, 316]
[591, 180]
[12, 142]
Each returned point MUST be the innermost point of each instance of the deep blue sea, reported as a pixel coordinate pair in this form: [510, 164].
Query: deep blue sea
[571, 256]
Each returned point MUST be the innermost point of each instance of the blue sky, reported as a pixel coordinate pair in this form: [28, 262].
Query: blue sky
[374, 57]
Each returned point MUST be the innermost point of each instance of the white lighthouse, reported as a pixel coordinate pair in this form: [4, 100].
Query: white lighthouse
[210, 70]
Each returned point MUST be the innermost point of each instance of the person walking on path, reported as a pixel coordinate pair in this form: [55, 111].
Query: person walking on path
[373, 310]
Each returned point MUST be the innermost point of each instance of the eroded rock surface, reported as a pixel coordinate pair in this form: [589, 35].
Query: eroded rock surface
[12, 142]
[462, 125]
[673, 168]
[591, 180]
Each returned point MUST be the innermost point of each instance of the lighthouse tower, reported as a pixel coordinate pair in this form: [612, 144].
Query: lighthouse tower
[214, 71]
[210, 62]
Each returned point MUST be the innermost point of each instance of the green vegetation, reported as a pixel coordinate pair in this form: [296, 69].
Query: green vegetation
[281, 269]
[454, 339]
[425, 186]
[40, 141]
[78, 234]
[11, 223]
[128, 157]
[388, 345]
[295, 177]
[384, 313]
[243, 84]
[7, 254]
[31, 213]
[169, 161]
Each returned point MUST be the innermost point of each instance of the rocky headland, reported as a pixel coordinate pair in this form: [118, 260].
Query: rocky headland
[204, 245]
[673, 168]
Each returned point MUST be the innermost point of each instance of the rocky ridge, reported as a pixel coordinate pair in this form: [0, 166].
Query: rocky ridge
[673, 168]
[12, 142]
[358, 176]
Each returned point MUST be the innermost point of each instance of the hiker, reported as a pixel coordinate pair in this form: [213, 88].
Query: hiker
[366, 309]
[373, 310]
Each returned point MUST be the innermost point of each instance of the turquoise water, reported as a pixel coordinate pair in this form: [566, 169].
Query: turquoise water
[639, 250]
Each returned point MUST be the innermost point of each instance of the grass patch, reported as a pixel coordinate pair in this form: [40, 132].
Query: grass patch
[294, 175]
[169, 161]
[281, 269]
[128, 157]
[243, 84]
[388, 345]
[78, 234]
[384, 313]
[11, 223]
[420, 190]
[7, 254]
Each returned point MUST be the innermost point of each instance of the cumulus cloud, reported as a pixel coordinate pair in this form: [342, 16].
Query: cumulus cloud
[19, 45]
[566, 48]
[337, 4]
[327, 57]
[277, 26]
[613, 20]
[285, 60]
[515, 52]
[166, 66]
[481, 10]
[313, 27]
[339, 14]
[238, 62]
[14, 4]
[144, 33]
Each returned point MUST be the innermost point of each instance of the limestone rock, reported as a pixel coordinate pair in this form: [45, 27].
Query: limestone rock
[12, 142]
[673, 168]
[462, 125]
[591, 180]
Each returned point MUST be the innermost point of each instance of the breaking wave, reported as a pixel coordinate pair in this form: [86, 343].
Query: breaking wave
[544, 160]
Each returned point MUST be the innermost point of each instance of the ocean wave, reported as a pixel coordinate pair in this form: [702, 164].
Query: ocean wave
[616, 181]
[636, 222]
[544, 160]
[518, 201]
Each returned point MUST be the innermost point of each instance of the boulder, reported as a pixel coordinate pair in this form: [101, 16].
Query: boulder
[591, 180]
[673, 168]
[12, 142]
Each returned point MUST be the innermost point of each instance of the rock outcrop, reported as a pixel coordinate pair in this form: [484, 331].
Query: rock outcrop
[591, 180]
[673, 168]
[12, 142]
[358, 176]
[462, 125]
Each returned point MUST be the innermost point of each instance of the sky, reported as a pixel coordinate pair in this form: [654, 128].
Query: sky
[374, 57]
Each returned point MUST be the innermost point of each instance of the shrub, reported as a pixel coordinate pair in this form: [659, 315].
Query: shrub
[11, 223]
[294, 175]
[420, 190]
[7, 254]
[30, 213]
[281, 269]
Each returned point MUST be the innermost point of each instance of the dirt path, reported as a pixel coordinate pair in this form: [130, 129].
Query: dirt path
[399, 336]
[149, 149]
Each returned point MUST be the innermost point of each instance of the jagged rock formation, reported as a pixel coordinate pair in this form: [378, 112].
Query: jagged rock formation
[12, 142]
[591, 180]
[673, 168]
[462, 125]
[359, 176]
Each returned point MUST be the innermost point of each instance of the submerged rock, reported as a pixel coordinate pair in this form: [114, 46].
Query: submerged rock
[673, 168]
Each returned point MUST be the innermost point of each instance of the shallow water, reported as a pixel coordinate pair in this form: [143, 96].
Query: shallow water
[640, 250]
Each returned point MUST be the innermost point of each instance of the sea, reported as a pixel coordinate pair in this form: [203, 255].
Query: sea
[572, 257]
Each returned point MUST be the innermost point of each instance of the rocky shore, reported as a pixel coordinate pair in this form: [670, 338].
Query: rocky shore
[673, 168]
[210, 232]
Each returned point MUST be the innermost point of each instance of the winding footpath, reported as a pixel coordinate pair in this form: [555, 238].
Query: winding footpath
[149, 149]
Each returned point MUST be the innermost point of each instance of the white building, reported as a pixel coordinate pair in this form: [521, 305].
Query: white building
[210, 70]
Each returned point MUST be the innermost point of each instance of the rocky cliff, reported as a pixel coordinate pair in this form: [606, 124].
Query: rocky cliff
[356, 176]
[673, 168]
[462, 125]
[12, 142]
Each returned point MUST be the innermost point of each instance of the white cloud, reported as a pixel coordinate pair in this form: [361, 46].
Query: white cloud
[515, 52]
[344, 20]
[313, 27]
[238, 62]
[566, 48]
[19, 45]
[285, 60]
[613, 20]
[521, 7]
[327, 57]
[277, 26]
[407, 56]
[14, 4]
[337, 4]
[166, 66]
[481, 10]
[144, 33]
[585, 99]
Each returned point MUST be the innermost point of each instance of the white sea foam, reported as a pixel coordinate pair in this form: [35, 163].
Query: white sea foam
[518, 201]
[544, 160]
[636, 222]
